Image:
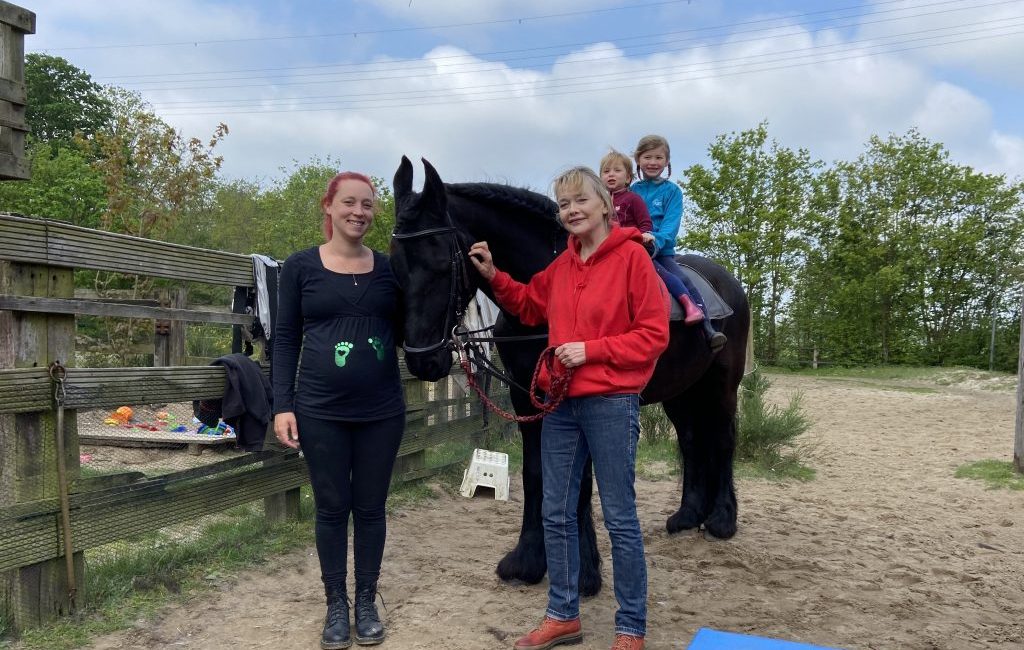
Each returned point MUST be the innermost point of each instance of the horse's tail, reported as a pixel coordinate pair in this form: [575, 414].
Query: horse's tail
[748, 366]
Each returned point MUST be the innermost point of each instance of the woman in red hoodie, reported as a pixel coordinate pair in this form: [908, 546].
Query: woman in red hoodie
[607, 315]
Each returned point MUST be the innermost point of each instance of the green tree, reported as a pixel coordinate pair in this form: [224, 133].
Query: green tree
[63, 100]
[747, 209]
[153, 174]
[63, 186]
[291, 214]
[911, 251]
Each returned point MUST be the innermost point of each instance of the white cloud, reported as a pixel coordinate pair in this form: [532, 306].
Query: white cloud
[1010, 155]
[985, 39]
[439, 12]
[545, 118]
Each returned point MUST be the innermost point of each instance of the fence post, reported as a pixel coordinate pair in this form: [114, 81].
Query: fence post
[283, 506]
[37, 593]
[169, 335]
[814, 358]
[1018, 438]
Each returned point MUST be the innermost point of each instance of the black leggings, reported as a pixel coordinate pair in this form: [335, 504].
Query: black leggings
[350, 467]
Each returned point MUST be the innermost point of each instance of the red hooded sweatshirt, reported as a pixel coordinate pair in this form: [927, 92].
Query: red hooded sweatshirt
[613, 302]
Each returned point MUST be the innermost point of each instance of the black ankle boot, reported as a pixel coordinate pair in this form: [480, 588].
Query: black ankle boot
[369, 629]
[716, 340]
[337, 628]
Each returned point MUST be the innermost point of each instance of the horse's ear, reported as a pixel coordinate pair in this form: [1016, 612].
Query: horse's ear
[434, 195]
[403, 180]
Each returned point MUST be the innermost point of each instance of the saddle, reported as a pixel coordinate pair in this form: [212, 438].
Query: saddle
[717, 308]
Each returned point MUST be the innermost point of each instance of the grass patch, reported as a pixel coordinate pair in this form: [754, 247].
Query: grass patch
[940, 376]
[126, 581]
[658, 459]
[862, 372]
[996, 474]
[923, 390]
[785, 469]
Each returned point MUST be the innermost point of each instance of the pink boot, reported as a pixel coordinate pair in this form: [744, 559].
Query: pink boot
[692, 312]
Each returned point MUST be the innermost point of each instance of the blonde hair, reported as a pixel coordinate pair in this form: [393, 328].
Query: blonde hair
[576, 178]
[614, 156]
[647, 143]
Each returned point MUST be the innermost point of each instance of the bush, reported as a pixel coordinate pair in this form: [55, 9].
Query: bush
[766, 433]
[655, 427]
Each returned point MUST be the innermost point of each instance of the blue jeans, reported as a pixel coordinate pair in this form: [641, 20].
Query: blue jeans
[667, 268]
[607, 428]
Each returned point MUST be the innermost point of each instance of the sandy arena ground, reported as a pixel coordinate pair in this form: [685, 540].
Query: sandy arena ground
[885, 549]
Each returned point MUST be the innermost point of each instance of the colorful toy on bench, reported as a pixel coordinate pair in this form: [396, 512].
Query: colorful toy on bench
[222, 428]
[122, 416]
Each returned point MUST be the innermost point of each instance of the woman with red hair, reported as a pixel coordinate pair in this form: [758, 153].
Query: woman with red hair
[338, 393]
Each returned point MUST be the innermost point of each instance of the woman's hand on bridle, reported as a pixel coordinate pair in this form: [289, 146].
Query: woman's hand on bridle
[480, 256]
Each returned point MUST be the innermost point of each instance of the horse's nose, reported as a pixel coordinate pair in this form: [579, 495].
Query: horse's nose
[429, 367]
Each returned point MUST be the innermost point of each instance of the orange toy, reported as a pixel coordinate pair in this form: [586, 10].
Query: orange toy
[122, 415]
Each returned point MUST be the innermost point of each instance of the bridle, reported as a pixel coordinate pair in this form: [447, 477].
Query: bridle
[457, 292]
[456, 338]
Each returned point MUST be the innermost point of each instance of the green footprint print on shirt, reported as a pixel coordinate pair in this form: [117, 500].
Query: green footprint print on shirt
[341, 351]
[378, 347]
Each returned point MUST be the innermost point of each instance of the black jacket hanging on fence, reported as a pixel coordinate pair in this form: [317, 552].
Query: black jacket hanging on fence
[247, 404]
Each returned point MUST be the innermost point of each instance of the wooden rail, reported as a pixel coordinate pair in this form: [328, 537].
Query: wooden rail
[119, 310]
[55, 243]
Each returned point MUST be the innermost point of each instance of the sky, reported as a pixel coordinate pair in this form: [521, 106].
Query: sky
[517, 91]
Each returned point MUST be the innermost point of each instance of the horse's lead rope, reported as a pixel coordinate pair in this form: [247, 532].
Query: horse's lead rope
[558, 392]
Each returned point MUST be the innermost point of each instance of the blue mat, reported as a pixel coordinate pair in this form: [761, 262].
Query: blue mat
[706, 639]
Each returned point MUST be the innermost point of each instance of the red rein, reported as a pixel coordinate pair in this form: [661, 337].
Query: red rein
[559, 388]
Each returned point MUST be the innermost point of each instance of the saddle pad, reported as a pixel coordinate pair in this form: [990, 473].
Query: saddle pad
[717, 308]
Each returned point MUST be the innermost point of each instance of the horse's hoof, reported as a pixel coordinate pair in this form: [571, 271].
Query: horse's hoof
[590, 583]
[514, 567]
[683, 519]
[720, 527]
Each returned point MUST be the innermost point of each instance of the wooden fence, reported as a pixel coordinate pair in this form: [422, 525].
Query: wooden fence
[15, 22]
[38, 311]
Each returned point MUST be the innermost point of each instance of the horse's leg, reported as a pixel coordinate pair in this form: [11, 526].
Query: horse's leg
[719, 425]
[693, 503]
[590, 557]
[527, 562]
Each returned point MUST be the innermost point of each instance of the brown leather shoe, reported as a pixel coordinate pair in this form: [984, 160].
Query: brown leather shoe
[628, 642]
[551, 632]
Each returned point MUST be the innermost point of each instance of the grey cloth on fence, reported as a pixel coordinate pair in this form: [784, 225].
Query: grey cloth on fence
[260, 266]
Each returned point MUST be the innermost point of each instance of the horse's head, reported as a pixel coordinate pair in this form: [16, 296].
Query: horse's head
[427, 255]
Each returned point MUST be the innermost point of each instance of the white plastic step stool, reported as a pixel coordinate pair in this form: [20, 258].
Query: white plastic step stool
[490, 469]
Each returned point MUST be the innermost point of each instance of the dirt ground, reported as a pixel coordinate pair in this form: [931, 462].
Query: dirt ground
[885, 549]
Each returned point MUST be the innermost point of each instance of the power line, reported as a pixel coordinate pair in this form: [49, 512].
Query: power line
[397, 65]
[464, 100]
[367, 32]
[610, 77]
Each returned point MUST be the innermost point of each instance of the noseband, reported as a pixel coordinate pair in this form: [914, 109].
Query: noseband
[457, 290]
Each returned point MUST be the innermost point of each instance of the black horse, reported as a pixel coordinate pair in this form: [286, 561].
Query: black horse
[698, 389]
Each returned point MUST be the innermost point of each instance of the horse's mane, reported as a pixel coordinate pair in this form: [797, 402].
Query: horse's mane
[506, 196]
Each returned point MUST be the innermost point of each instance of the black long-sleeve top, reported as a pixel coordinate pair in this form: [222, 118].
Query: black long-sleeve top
[339, 331]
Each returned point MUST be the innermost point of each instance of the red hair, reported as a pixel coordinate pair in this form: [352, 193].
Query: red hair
[332, 189]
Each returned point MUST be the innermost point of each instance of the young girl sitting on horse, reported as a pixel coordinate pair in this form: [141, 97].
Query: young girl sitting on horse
[607, 318]
[664, 201]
